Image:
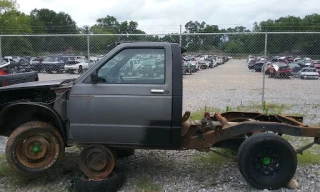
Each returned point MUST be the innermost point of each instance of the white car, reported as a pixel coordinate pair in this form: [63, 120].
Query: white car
[219, 60]
[80, 66]
[214, 63]
[308, 73]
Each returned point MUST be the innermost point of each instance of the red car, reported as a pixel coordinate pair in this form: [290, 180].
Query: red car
[317, 67]
[279, 70]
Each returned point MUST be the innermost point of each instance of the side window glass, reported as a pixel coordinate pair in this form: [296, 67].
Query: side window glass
[134, 66]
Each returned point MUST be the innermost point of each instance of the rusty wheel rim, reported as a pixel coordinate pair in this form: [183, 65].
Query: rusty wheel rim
[97, 162]
[36, 150]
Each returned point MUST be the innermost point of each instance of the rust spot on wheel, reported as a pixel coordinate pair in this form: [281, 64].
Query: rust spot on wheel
[36, 150]
[96, 161]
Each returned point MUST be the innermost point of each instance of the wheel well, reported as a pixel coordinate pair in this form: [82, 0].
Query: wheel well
[17, 114]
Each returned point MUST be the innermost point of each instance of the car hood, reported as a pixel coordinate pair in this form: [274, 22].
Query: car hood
[35, 84]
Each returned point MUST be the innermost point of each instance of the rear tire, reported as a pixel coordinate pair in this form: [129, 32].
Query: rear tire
[267, 161]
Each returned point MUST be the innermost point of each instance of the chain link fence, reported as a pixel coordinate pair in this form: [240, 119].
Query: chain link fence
[277, 70]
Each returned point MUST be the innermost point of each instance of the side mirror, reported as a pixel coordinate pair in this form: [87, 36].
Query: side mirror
[94, 77]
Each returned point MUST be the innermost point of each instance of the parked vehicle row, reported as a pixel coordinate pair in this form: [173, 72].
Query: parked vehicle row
[194, 63]
[285, 67]
[55, 63]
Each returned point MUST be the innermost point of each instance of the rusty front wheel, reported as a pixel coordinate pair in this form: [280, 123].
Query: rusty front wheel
[34, 147]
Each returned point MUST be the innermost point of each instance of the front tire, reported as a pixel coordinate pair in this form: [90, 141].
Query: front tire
[267, 161]
[34, 147]
[80, 70]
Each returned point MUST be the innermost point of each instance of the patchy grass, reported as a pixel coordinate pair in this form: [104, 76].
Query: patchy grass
[198, 115]
[267, 108]
[6, 171]
[308, 158]
[315, 125]
[214, 160]
[147, 185]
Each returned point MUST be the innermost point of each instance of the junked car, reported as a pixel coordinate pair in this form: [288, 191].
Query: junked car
[57, 63]
[193, 62]
[279, 70]
[189, 68]
[36, 64]
[317, 67]
[80, 65]
[308, 73]
[295, 67]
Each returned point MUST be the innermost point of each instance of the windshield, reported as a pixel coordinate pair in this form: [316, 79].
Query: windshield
[82, 60]
[51, 59]
[309, 70]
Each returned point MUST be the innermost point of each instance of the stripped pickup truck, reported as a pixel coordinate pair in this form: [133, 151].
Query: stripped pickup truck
[109, 113]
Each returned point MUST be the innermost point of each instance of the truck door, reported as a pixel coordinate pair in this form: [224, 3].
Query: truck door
[124, 108]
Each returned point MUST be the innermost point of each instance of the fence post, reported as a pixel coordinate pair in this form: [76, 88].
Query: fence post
[180, 36]
[88, 47]
[263, 69]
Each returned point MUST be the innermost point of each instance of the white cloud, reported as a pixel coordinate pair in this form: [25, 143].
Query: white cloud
[161, 16]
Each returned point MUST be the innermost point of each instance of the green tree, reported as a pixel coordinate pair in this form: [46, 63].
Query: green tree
[234, 47]
[8, 5]
[20, 46]
[53, 23]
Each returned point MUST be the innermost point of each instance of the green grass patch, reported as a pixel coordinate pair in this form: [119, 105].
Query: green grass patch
[6, 171]
[147, 185]
[198, 115]
[308, 157]
[315, 125]
[267, 108]
[214, 160]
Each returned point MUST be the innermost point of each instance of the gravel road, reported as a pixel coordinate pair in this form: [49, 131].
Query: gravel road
[230, 85]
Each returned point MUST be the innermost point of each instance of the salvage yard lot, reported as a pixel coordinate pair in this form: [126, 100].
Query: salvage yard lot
[229, 86]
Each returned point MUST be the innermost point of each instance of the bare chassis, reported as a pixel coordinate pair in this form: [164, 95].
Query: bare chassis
[223, 130]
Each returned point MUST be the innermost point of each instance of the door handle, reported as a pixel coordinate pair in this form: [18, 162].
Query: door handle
[157, 91]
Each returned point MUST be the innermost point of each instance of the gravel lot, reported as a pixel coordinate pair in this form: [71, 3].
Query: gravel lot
[230, 85]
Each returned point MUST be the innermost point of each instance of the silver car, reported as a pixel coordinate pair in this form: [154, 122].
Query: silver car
[308, 73]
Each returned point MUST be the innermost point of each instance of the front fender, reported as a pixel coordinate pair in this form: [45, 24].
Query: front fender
[24, 110]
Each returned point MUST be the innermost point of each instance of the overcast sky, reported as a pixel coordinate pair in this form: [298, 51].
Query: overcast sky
[163, 16]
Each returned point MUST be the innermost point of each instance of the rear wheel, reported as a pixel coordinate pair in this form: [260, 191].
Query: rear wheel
[267, 161]
[34, 147]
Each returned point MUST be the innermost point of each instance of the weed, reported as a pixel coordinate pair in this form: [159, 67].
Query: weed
[308, 158]
[6, 171]
[147, 185]
[212, 159]
[266, 108]
[197, 115]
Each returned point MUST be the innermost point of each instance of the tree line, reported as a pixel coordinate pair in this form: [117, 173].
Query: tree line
[46, 21]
